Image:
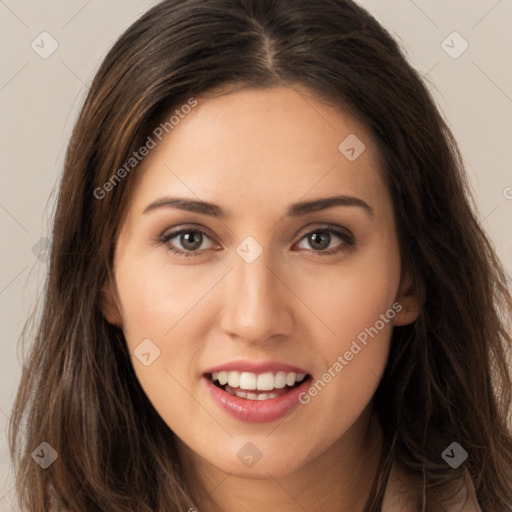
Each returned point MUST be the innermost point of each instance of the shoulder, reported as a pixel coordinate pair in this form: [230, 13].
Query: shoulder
[404, 494]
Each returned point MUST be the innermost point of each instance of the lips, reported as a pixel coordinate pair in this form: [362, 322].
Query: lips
[256, 392]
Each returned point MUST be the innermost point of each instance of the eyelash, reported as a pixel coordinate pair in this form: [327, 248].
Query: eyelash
[348, 241]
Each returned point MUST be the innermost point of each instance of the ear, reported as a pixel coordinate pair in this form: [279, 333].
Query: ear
[109, 305]
[410, 297]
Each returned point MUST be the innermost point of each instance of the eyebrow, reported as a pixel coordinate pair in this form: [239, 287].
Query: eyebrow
[295, 210]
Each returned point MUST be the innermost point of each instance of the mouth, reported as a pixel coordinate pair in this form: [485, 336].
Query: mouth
[253, 386]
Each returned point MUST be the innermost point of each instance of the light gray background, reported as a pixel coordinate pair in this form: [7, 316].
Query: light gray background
[40, 99]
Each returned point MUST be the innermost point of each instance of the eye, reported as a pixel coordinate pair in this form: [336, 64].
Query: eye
[190, 239]
[320, 239]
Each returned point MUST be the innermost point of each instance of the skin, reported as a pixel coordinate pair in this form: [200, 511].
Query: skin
[253, 153]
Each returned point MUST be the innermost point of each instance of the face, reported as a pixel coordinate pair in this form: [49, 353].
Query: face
[259, 327]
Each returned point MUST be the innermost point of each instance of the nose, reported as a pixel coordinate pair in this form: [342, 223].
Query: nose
[258, 306]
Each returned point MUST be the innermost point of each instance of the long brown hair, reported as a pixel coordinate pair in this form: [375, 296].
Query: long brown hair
[446, 379]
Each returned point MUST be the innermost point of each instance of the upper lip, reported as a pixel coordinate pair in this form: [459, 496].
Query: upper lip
[256, 367]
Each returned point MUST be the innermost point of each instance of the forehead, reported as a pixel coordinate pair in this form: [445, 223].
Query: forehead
[256, 147]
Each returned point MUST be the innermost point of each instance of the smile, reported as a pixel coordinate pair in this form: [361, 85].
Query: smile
[251, 386]
[256, 392]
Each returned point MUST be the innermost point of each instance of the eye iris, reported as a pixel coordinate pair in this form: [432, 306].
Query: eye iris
[318, 242]
[191, 240]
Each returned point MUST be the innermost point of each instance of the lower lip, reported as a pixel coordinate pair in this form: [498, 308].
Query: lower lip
[256, 411]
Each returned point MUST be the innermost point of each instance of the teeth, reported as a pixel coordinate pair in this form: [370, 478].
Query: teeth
[247, 380]
[290, 378]
[251, 381]
[265, 381]
[234, 379]
[241, 394]
[252, 396]
[280, 380]
[223, 378]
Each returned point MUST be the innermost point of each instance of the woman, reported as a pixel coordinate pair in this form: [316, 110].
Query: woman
[267, 286]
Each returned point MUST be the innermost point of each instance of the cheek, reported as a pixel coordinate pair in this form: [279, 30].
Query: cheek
[166, 304]
[155, 308]
[350, 296]
[157, 297]
[357, 304]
